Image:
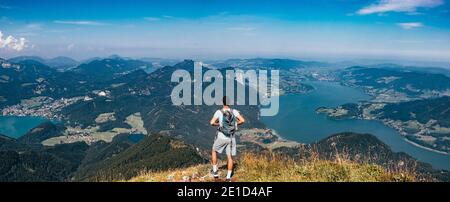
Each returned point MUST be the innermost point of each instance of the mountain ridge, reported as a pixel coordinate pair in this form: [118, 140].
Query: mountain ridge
[284, 164]
[59, 62]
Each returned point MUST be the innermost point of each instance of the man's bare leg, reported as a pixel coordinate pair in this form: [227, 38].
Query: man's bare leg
[229, 166]
[214, 163]
[214, 157]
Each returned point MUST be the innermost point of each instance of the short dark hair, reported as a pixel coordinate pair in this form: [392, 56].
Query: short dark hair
[225, 101]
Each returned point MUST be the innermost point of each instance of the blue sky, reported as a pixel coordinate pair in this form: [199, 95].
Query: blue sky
[215, 29]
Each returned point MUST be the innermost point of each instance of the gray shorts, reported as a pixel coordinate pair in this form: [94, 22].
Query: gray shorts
[223, 142]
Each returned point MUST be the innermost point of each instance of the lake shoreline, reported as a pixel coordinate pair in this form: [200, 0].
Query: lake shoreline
[17, 126]
[322, 110]
[426, 148]
[298, 121]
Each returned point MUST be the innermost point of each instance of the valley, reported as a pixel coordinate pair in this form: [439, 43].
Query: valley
[112, 109]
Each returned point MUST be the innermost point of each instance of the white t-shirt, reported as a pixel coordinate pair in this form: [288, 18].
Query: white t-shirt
[219, 116]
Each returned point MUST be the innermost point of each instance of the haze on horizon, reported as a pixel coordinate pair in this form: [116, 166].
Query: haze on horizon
[334, 29]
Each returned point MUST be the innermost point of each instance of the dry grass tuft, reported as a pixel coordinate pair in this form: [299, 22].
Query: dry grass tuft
[277, 168]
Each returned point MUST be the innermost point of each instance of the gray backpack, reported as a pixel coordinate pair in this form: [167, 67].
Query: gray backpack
[228, 126]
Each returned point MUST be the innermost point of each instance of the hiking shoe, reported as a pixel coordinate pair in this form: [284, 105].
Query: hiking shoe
[228, 180]
[215, 174]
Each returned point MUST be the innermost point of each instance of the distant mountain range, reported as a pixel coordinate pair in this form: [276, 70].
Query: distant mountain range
[60, 62]
[402, 80]
[266, 63]
[64, 63]
[149, 94]
[109, 68]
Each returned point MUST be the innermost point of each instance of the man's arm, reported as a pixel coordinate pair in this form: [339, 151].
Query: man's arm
[214, 121]
[240, 119]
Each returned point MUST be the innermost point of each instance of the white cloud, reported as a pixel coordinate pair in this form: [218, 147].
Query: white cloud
[26, 34]
[152, 19]
[243, 29]
[169, 17]
[79, 22]
[70, 47]
[163, 17]
[409, 6]
[11, 42]
[34, 26]
[410, 25]
[5, 7]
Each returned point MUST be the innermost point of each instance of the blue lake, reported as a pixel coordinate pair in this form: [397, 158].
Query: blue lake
[16, 126]
[297, 120]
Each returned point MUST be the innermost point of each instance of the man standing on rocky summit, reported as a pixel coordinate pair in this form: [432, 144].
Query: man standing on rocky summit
[227, 120]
